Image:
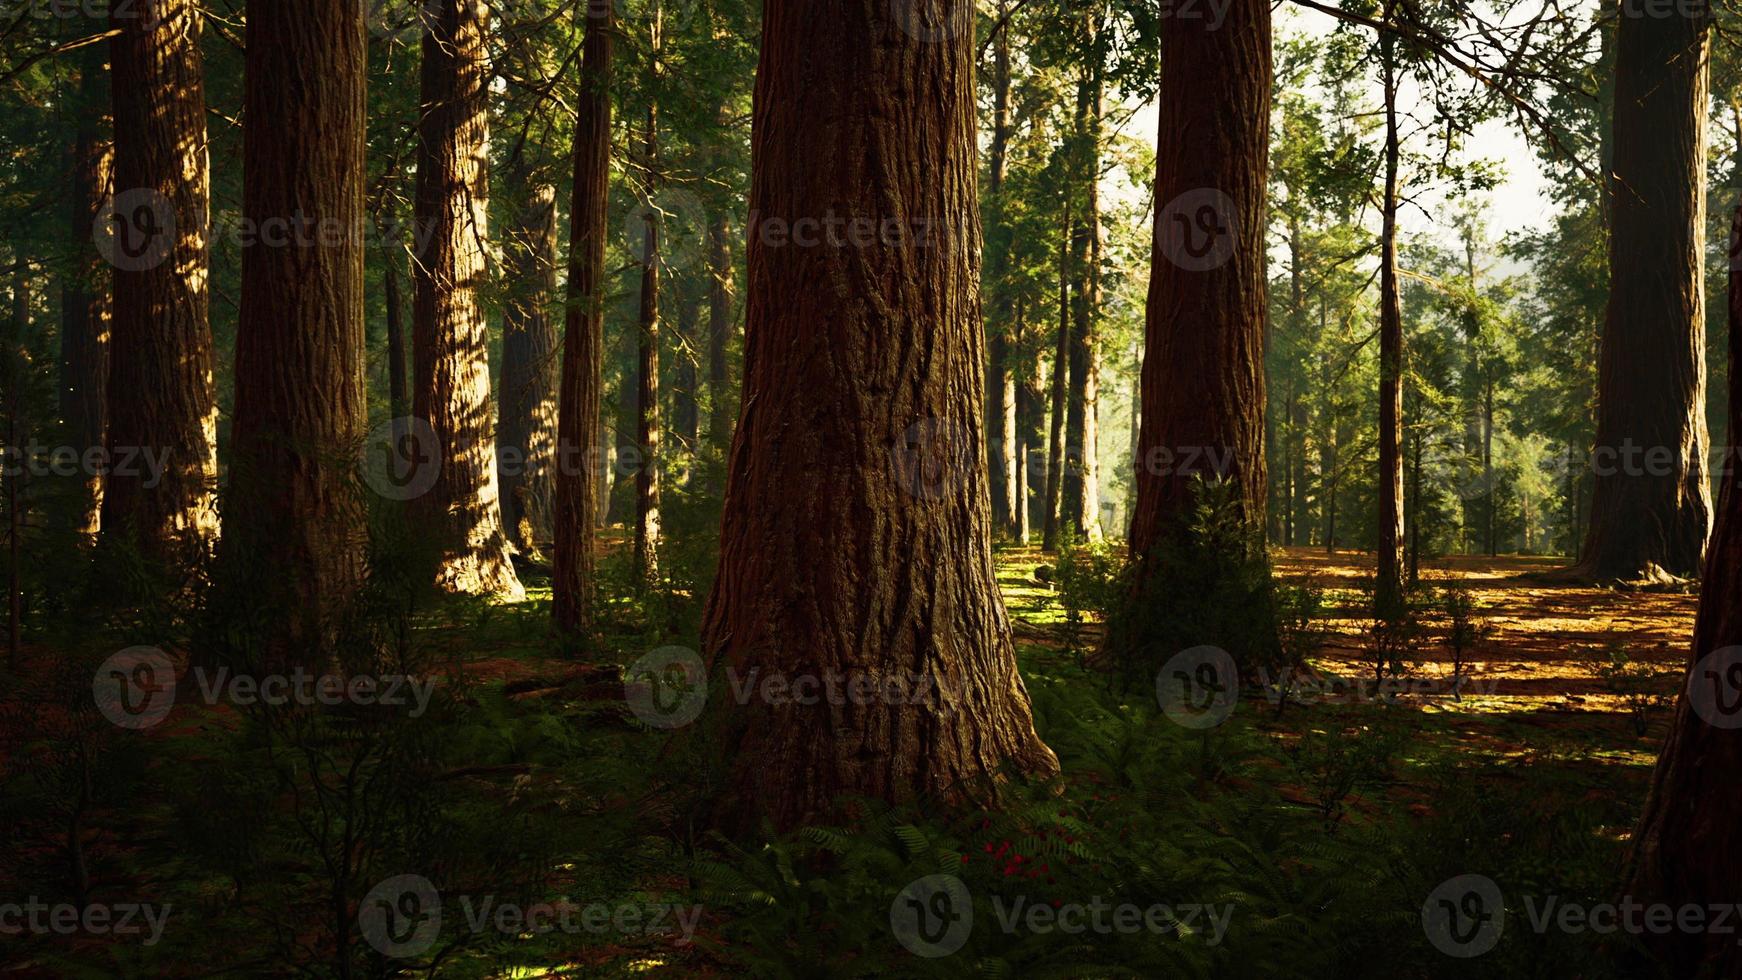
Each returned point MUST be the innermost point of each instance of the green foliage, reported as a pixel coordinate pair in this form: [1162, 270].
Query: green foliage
[1647, 691]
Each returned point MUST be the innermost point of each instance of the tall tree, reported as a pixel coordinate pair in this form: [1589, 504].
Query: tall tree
[85, 298]
[1388, 589]
[293, 516]
[527, 452]
[1685, 850]
[1081, 504]
[462, 510]
[1000, 381]
[160, 393]
[1651, 510]
[856, 534]
[580, 463]
[1061, 361]
[647, 416]
[720, 287]
[1203, 363]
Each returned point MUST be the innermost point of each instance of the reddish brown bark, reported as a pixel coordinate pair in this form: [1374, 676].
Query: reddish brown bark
[1203, 362]
[462, 512]
[160, 391]
[857, 533]
[647, 420]
[1651, 510]
[580, 466]
[1388, 588]
[294, 519]
[1686, 849]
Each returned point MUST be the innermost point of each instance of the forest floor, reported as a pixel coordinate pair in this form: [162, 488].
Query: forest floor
[1531, 771]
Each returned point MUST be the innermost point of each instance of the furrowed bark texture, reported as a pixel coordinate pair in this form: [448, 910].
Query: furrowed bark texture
[580, 464]
[857, 528]
[462, 511]
[160, 390]
[295, 519]
[1651, 510]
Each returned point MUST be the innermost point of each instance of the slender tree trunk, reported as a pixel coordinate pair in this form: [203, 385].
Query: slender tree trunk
[1081, 488]
[160, 392]
[1388, 589]
[857, 538]
[721, 405]
[17, 355]
[647, 420]
[581, 463]
[1055, 454]
[526, 461]
[686, 419]
[1203, 364]
[398, 389]
[1000, 435]
[1686, 851]
[1492, 510]
[295, 527]
[462, 511]
[1651, 511]
[85, 299]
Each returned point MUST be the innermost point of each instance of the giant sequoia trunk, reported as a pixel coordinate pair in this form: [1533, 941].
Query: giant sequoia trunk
[1203, 363]
[85, 299]
[462, 511]
[1686, 850]
[527, 454]
[1651, 508]
[160, 391]
[580, 464]
[1388, 587]
[856, 535]
[294, 526]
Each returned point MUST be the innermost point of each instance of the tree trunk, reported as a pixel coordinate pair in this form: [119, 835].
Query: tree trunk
[1061, 359]
[1388, 586]
[581, 463]
[1651, 510]
[527, 460]
[647, 421]
[721, 405]
[85, 299]
[398, 388]
[462, 511]
[857, 538]
[160, 390]
[1203, 364]
[295, 527]
[1081, 488]
[1000, 437]
[686, 419]
[1686, 852]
